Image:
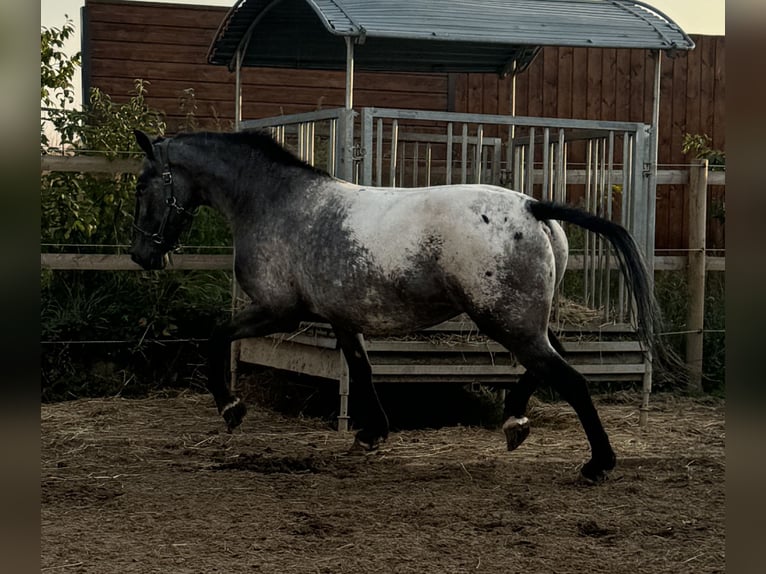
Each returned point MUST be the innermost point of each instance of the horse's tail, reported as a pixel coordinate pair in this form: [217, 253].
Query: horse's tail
[648, 315]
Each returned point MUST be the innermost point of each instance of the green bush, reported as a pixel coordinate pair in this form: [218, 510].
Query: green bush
[115, 332]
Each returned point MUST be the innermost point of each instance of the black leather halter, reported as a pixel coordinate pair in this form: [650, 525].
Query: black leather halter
[171, 202]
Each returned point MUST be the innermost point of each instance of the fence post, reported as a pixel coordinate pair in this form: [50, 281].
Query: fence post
[696, 272]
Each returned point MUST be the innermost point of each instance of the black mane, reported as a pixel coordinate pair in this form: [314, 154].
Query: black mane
[260, 141]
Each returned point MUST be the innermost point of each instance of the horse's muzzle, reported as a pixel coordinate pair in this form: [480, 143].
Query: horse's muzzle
[150, 263]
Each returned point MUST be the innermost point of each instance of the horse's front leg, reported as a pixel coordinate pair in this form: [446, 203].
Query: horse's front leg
[251, 322]
[366, 407]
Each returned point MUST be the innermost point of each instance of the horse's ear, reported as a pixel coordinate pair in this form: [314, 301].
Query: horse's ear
[144, 143]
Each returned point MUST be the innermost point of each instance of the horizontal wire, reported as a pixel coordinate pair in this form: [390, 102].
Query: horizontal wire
[123, 342]
[193, 340]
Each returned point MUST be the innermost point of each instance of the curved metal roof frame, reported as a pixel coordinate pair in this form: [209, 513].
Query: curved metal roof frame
[432, 35]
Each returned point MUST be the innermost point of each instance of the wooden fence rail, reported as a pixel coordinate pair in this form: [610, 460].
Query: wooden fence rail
[191, 262]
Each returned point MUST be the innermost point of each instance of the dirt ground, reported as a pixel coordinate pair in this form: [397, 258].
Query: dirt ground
[156, 485]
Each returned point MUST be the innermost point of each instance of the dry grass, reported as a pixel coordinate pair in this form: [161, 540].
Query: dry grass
[153, 485]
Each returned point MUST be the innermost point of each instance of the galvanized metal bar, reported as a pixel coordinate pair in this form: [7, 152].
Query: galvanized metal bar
[640, 188]
[546, 143]
[332, 147]
[238, 91]
[624, 209]
[448, 175]
[415, 162]
[497, 159]
[560, 188]
[402, 161]
[649, 205]
[609, 204]
[292, 119]
[530, 162]
[586, 234]
[428, 165]
[379, 154]
[301, 141]
[564, 181]
[349, 99]
[521, 121]
[344, 390]
[651, 195]
[594, 209]
[601, 211]
[464, 156]
[312, 141]
[366, 143]
[394, 150]
[477, 157]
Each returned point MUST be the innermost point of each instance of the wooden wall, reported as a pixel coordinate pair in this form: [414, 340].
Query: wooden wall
[167, 44]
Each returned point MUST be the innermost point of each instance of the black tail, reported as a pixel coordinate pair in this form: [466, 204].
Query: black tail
[649, 318]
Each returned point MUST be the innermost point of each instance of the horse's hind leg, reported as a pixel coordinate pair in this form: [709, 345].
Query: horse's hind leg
[543, 362]
[251, 322]
[516, 426]
[365, 404]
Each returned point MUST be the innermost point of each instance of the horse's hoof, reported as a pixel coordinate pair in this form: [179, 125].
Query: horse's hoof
[597, 472]
[516, 431]
[364, 444]
[233, 413]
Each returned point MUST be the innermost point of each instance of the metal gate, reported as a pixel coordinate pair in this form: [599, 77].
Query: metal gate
[603, 167]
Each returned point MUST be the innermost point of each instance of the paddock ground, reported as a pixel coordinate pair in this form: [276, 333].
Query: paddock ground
[156, 485]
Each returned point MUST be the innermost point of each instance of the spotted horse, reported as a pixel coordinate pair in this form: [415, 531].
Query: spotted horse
[380, 262]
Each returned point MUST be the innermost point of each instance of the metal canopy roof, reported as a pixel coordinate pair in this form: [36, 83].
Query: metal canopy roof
[432, 35]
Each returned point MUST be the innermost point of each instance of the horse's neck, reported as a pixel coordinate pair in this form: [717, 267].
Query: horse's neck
[230, 184]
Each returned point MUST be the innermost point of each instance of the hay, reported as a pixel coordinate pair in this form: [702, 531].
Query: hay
[568, 313]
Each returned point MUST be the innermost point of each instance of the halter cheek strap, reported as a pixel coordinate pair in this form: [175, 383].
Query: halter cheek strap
[170, 199]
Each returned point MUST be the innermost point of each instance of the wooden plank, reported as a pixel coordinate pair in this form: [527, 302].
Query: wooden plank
[88, 164]
[692, 90]
[101, 262]
[535, 88]
[550, 80]
[466, 326]
[380, 346]
[622, 85]
[705, 51]
[153, 33]
[594, 84]
[609, 85]
[180, 14]
[579, 83]
[719, 109]
[479, 370]
[288, 356]
[680, 262]
[635, 86]
[324, 342]
[564, 89]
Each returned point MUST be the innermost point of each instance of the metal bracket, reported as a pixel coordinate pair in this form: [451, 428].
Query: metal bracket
[358, 152]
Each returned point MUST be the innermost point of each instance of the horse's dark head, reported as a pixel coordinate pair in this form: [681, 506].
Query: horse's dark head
[164, 204]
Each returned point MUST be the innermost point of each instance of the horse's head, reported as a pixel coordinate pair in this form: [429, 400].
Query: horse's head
[164, 205]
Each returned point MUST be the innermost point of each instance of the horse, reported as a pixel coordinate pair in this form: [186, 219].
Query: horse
[374, 261]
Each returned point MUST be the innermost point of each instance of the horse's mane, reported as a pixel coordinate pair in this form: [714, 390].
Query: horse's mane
[258, 140]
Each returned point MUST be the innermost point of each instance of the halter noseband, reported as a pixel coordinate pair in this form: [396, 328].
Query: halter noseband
[170, 201]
